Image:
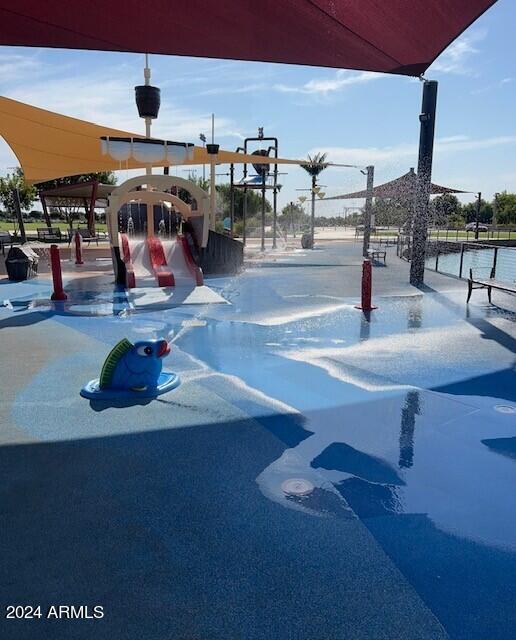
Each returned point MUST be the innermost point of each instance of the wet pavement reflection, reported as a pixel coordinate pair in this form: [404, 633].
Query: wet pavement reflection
[390, 416]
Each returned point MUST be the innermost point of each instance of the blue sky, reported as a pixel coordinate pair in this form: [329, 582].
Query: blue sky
[358, 118]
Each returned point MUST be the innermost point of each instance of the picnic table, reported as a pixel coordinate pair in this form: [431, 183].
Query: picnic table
[50, 234]
[489, 284]
[375, 253]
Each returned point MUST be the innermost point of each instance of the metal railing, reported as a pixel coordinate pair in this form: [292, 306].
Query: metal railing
[445, 234]
[457, 258]
[500, 233]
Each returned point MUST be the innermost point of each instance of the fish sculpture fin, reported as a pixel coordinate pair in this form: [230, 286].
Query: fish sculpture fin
[113, 358]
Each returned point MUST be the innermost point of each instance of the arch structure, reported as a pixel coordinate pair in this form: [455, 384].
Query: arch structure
[155, 193]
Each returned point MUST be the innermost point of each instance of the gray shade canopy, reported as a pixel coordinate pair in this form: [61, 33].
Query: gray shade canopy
[404, 186]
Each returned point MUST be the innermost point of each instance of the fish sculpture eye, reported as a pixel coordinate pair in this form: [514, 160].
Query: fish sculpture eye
[144, 351]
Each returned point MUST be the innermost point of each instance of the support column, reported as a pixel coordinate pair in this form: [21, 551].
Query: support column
[263, 213]
[424, 178]
[19, 215]
[212, 149]
[479, 202]
[244, 217]
[275, 205]
[213, 195]
[368, 210]
[312, 213]
[91, 212]
[232, 197]
[48, 222]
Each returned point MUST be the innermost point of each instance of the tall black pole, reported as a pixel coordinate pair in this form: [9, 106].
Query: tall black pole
[368, 210]
[312, 215]
[275, 207]
[263, 212]
[479, 202]
[232, 196]
[244, 216]
[424, 178]
[19, 215]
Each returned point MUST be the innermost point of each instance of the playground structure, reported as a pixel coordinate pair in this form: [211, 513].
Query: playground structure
[149, 260]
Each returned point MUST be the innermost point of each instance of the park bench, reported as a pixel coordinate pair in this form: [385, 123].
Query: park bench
[377, 254]
[387, 242]
[6, 240]
[50, 234]
[86, 235]
[489, 284]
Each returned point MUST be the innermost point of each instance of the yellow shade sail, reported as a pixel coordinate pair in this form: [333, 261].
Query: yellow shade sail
[49, 145]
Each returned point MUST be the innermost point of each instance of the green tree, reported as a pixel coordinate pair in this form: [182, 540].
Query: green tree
[16, 180]
[455, 221]
[469, 212]
[254, 201]
[505, 205]
[443, 207]
[185, 195]
[391, 211]
[314, 167]
[292, 217]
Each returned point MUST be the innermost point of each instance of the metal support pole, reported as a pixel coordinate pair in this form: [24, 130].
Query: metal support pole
[479, 202]
[274, 216]
[48, 222]
[275, 202]
[213, 195]
[244, 217]
[312, 215]
[232, 196]
[19, 215]
[263, 213]
[91, 211]
[461, 259]
[368, 210]
[148, 121]
[424, 177]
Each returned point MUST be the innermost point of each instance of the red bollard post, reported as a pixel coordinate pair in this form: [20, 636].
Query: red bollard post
[57, 277]
[78, 248]
[367, 286]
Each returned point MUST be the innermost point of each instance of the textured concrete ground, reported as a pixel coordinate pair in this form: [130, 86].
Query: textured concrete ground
[171, 513]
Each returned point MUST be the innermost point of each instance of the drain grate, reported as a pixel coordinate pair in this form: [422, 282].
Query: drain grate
[505, 408]
[297, 487]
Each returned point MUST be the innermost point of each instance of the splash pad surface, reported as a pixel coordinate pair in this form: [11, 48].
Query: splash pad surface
[392, 420]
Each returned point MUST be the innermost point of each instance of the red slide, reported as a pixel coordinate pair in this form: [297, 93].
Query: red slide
[130, 280]
[163, 275]
[193, 267]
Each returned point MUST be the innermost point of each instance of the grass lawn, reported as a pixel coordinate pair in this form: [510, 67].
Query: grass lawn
[32, 226]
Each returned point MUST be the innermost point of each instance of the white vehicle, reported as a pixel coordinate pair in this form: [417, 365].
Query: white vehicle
[473, 225]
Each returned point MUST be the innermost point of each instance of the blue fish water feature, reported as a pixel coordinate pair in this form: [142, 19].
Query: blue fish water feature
[133, 371]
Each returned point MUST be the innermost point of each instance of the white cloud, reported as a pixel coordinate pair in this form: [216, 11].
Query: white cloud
[455, 59]
[15, 66]
[249, 88]
[492, 87]
[106, 98]
[381, 156]
[341, 79]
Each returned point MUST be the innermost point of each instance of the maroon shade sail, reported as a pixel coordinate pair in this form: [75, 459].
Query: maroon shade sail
[392, 36]
[402, 187]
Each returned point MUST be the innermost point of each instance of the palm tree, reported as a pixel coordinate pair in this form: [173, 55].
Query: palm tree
[315, 165]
